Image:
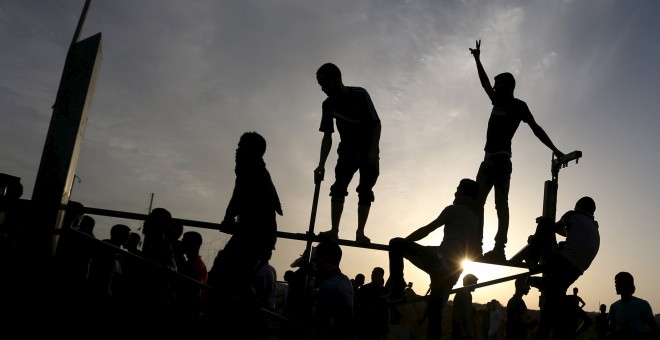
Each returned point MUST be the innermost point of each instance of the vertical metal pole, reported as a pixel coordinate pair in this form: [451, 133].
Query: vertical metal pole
[318, 178]
[550, 199]
[550, 207]
[81, 22]
[151, 202]
[312, 221]
[75, 177]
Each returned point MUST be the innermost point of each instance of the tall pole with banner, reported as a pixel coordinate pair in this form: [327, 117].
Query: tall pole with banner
[59, 159]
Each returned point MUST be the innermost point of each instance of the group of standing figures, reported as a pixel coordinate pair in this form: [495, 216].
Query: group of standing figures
[359, 129]
[233, 305]
[254, 203]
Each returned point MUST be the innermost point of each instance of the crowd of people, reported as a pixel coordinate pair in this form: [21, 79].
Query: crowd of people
[161, 274]
[159, 277]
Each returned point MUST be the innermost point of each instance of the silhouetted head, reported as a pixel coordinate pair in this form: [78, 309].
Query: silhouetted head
[267, 256]
[378, 275]
[586, 205]
[119, 234]
[469, 279]
[603, 308]
[289, 275]
[252, 143]
[329, 77]
[522, 285]
[133, 241]
[505, 83]
[624, 283]
[87, 225]
[174, 230]
[469, 188]
[359, 280]
[191, 242]
[494, 304]
[575, 290]
[328, 255]
[157, 221]
[74, 214]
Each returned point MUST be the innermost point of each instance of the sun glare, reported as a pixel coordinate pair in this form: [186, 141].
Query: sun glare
[466, 264]
[486, 272]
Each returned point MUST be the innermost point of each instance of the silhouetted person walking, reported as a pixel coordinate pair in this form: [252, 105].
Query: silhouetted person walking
[602, 324]
[87, 225]
[133, 244]
[155, 278]
[132, 269]
[265, 287]
[518, 322]
[358, 281]
[106, 278]
[173, 234]
[190, 298]
[495, 169]
[299, 306]
[463, 326]
[576, 298]
[371, 314]
[443, 263]
[497, 320]
[571, 320]
[333, 300]
[71, 256]
[86, 246]
[359, 128]
[156, 246]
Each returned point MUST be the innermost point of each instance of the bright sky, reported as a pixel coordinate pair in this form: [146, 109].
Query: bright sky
[181, 81]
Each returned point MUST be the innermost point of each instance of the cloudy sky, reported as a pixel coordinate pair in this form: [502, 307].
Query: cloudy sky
[181, 81]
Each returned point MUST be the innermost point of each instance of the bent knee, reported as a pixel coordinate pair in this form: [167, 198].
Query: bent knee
[337, 199]
[365, 197]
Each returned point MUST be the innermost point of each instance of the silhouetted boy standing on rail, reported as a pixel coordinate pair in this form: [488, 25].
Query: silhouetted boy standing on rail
[251, 214]
[495, 169]
[359, 127]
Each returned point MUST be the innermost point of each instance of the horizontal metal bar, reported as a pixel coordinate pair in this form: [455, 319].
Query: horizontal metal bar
[280, 234]
[474, 286]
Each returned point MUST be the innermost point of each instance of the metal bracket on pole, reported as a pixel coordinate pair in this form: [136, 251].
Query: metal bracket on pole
[550, 192]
